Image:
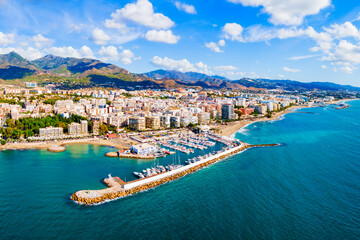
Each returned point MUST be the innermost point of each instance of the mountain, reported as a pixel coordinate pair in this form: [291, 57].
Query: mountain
[247, 83]
[194, 79]
[14, 66]
[186, 77]
[70, 73]
[290, 85]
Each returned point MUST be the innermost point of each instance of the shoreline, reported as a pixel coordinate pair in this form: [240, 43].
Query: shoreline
[230, 131]
[61, 143]
[226, 130]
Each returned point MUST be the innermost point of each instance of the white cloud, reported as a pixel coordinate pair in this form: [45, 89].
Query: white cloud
[225, 68]
[6, 39]
[165, 36]
[233, 31]
[140, 13]
[6, 50]
[287, 12]
[182, 65]
[292, 70]
[344, 30]
[99, 37]
[28, 53]
[83, 52]
[302, 57]
[347, 69]
[215, 47]
[41, 41]
[185, 7]
[73, 27]
[111, 54]
[86, 52]
[346, 55]
[324, 67]
[126, 56]
[221, 43]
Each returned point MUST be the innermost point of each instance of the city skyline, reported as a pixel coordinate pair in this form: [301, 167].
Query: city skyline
[318, 41]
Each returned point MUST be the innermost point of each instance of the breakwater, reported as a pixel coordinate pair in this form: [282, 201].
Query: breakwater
[118, 189]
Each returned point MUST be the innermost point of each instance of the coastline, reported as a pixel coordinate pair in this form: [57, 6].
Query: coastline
[231, 130]
[63, 143]
[225, 130]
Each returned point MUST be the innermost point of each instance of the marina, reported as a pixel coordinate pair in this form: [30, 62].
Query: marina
[159, 174]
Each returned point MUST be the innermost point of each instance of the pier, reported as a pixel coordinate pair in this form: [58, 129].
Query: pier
[119, 189]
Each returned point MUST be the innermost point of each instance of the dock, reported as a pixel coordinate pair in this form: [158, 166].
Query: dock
[120, 189]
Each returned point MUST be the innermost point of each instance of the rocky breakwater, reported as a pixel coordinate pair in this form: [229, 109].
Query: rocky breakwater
[116, 190]
[56, 148]
[92, 197]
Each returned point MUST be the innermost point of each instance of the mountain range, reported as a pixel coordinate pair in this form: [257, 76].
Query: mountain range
[84, 72]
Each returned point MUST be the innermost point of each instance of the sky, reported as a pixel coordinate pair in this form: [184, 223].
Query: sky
[303, 40]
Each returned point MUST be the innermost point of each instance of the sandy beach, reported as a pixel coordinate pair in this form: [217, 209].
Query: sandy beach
[48, 144]
[233, 127]
[230, 129]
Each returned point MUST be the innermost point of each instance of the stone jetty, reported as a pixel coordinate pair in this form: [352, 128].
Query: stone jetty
[119, 189]
[56, 148]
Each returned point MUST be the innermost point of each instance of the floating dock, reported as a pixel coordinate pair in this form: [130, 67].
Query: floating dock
[119, 189]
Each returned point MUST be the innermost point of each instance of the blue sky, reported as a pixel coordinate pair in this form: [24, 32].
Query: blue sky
[304, 40]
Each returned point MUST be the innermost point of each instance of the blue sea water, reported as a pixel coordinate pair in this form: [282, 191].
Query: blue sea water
[308, 188]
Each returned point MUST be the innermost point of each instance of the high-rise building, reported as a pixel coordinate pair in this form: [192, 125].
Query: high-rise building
[84, 127]
[261, 109]
[152, 122]
[74, 129]
[95, 127]
[165, 121]
[227, 111]
[175, 122]
[137, 123]
[204, 118]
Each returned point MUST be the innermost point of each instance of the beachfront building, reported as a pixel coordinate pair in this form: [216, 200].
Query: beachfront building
[246, 111]
[204, 118]
[95, 127]
[137, 123]
[84, 127]
[227, 111]
[74, 129]
[142, 149]
[51, 132]
[152, 122]
[175, 122]
[261, 109]
[165, 121]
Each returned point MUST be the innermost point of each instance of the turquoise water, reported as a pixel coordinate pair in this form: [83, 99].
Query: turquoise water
[309, 188]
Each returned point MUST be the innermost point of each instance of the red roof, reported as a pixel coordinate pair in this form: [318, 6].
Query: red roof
[112, 135]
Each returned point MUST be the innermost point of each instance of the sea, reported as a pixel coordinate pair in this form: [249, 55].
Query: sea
[306, 188]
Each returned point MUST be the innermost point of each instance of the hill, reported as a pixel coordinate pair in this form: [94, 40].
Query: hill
[84, 72]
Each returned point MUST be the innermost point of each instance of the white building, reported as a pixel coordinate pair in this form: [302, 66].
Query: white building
[143, 149]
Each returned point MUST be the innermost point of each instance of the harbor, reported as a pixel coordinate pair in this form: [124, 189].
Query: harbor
[159, 174]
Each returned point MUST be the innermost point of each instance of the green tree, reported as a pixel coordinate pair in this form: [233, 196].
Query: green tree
[10, 123]
[103, 128]
[8, 132]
